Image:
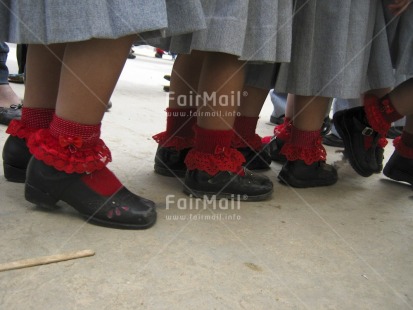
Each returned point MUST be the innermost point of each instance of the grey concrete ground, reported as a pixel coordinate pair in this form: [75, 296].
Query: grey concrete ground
[349, 246]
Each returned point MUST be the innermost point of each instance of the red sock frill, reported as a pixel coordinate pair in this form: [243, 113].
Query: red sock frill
[304, 145]
[212, 152]
[179, 132]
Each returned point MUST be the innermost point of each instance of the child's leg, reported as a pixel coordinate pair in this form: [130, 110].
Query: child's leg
[178, 138]
[400, 165]
[214, 167]
[306, 156]
[364, 129]
[245, 139]
[69, 158]
[42, 84]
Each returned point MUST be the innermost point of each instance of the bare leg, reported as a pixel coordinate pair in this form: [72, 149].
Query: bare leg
[89, 75]
[401, 97]
[222, 75]
[252, 103]
[185, 80]
[309, 112]
[289, 108]
[409, 124]
[43, 75]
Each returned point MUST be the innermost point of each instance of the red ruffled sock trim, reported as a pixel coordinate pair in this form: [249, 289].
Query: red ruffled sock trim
[68, 153]
[179, 129]
[224, 159]
[283, 131]
[212, 152]
[17, 129]
[401, 147]
[304, 145]
[375, 114]
[179, 143]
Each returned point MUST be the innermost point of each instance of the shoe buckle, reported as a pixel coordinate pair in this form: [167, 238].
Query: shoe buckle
[367, 131]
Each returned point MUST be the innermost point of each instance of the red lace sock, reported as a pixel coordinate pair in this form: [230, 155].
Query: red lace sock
[212, 152]
[304, 145]
[244, 133]
[380, 113]
[282, 131]
[32, 119]
[76, 148]
[179, 129]
[404, 145]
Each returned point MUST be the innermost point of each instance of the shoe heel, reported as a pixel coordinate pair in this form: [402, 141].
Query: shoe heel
[39, 198]
[13, 174]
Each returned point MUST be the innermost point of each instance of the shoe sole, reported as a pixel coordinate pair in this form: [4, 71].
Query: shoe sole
[289, 180]
[44, 200]
[348, 149]
[239, 197]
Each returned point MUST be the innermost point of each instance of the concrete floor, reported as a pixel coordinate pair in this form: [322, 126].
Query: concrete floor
[348, 246]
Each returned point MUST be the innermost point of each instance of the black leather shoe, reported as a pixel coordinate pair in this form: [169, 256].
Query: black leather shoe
[45, 186]
[256, 160]
[228, 185]
[16, 78]
[332, 140]
[399, 168]
[298, 174]
[169, 162]
[353, 126]
[277, 120]
[8, 114]
[16, 157]
[274, 148]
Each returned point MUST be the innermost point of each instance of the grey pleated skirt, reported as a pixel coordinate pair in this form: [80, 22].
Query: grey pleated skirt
[339, 49]
[400, 33]
[254, 30]
[57, 21]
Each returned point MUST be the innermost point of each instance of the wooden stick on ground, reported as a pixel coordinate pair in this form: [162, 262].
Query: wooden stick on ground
[45, 260]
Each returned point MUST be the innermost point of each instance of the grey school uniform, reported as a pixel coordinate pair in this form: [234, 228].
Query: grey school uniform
[339, 49]
[254, 30]
[57, 21]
